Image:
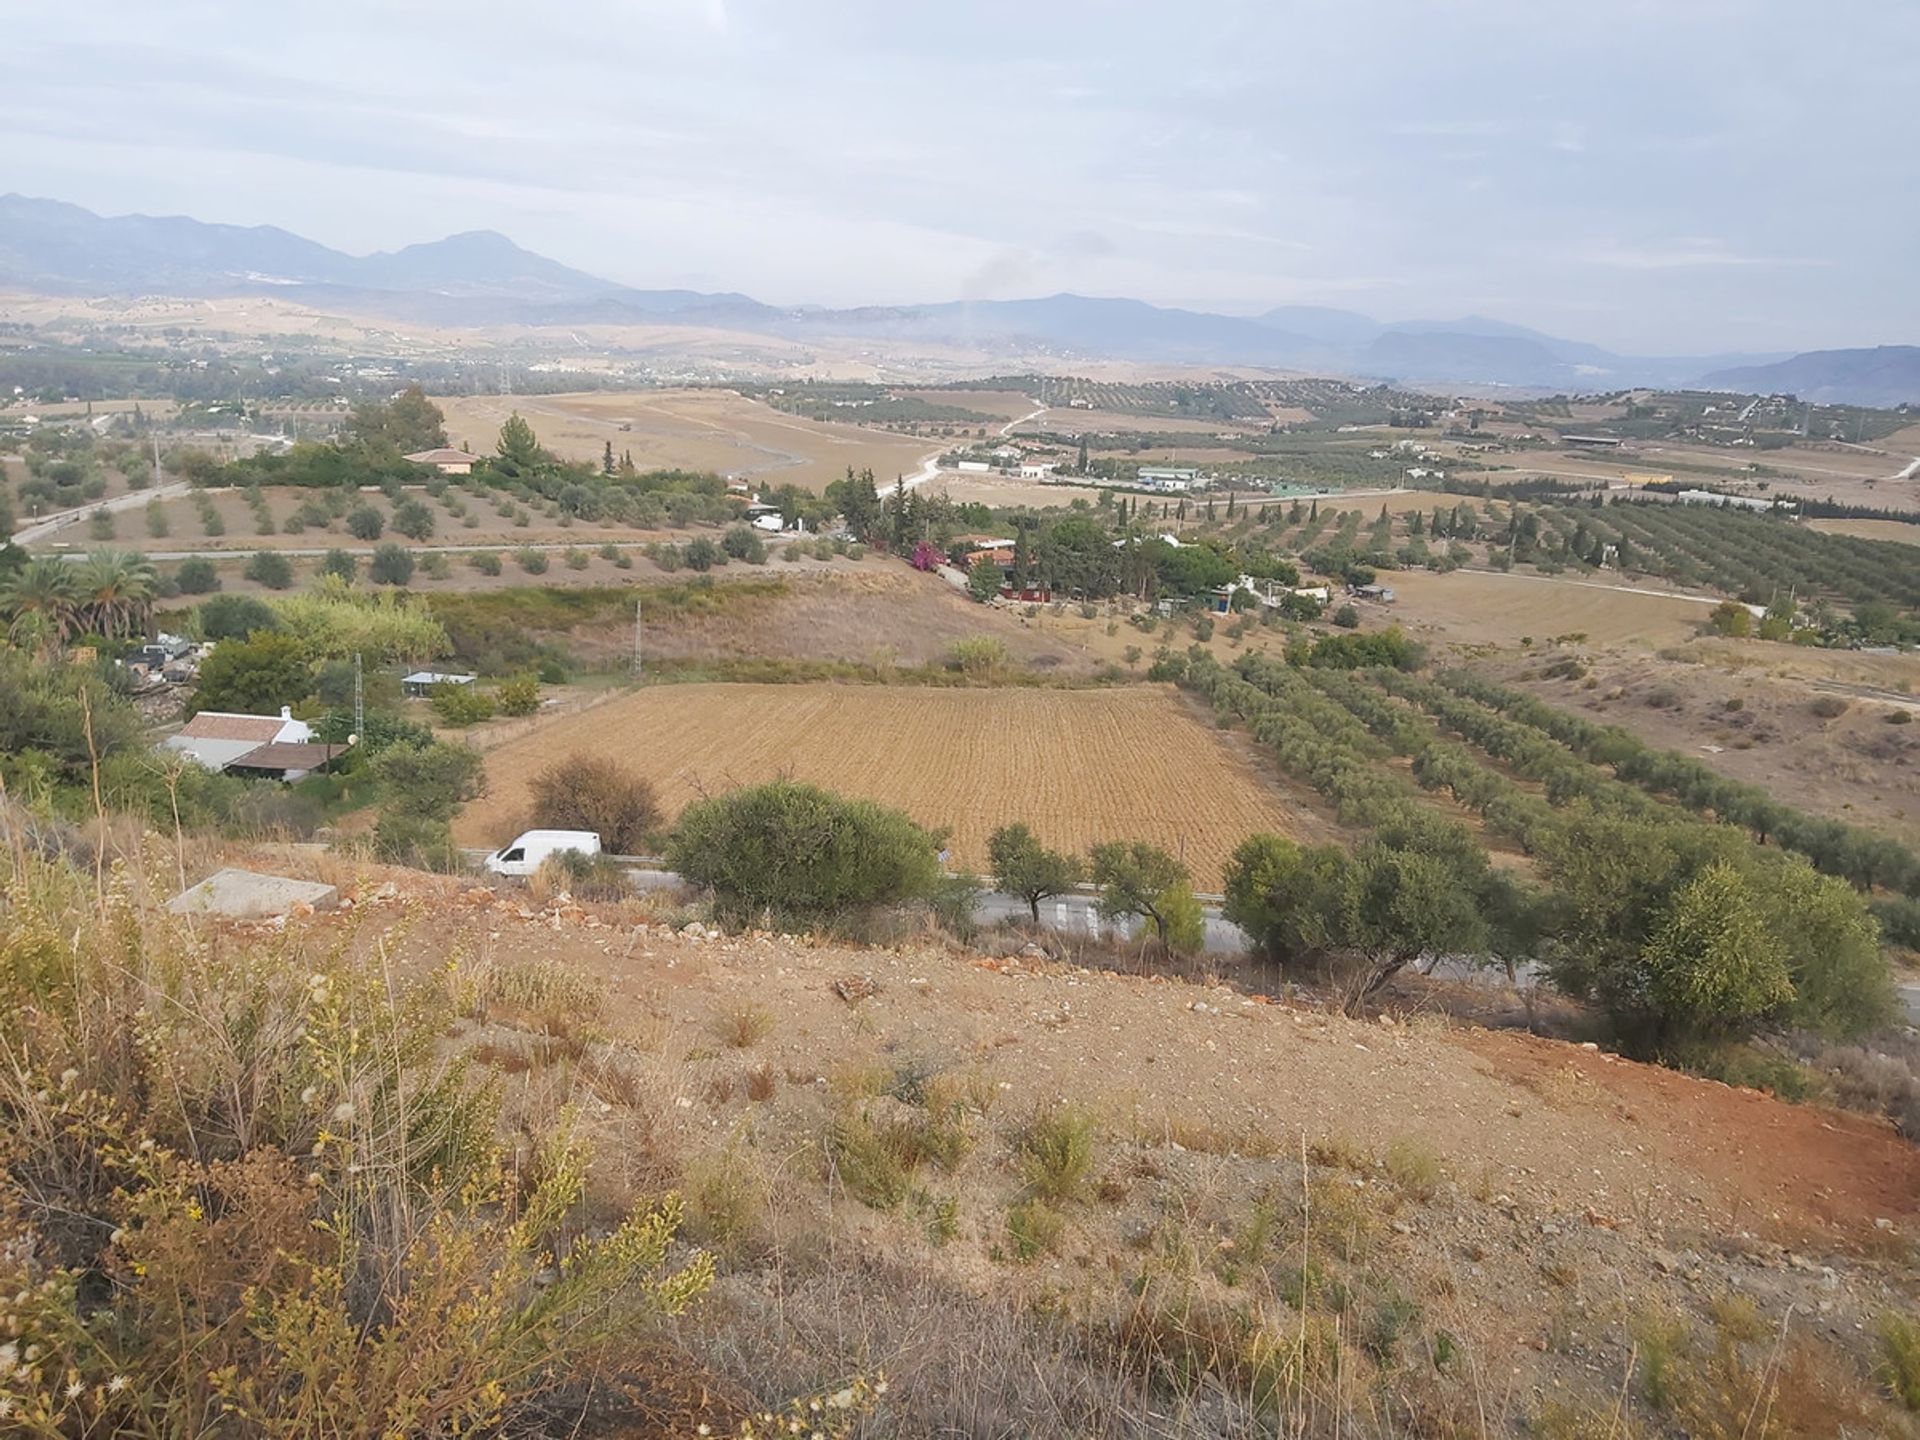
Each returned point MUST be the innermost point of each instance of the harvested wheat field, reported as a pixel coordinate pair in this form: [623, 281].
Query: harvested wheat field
[1901, 531]
[1488, 607]
[715, 430]
[1079, 766]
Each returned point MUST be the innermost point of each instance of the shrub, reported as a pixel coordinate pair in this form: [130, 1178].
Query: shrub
[487, 562]
[340, 563]
[412, 519]
[1034, 1229]
[1056, 1151]
[979, 657]
[586, 877]
[1900, 1357]
[1414, 1167]
[592, 792]
[1346, 617]
[271, 569]
[196, 577]
[1828, 707]
[533, 561]
[364, 523]
[702, 554]
[797, 852]
[873, 1161]
[460, 705]
[518, 696]
[391, 565]
[177, 1266]
[741, 1027]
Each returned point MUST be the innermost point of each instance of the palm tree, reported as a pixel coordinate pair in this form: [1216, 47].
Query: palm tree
[116, 592]
[40, 602]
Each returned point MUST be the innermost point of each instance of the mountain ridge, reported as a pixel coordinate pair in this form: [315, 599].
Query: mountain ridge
[483, 277]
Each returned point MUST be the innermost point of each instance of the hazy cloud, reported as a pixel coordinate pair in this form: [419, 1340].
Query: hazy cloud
[1558, 163]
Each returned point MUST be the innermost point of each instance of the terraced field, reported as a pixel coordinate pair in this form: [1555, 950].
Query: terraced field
[1079, 766]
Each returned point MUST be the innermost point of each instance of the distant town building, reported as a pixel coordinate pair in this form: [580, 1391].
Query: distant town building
[446, 461]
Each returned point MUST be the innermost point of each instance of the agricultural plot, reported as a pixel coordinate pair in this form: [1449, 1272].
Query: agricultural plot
[1750, 555]
[1079, 766]
[714, 430]
[1488, 607]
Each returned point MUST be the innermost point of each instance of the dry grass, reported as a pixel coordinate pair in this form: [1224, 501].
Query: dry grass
[1078, 766]
[743, 1025]
[691, 430]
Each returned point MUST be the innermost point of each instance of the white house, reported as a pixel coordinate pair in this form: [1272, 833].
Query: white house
[446, 461]
[1036, 469]
[217, 738]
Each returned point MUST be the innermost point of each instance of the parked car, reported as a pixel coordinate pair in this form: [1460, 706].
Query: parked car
[528, 852]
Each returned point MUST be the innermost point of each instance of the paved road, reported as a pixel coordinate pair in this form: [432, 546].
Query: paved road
[53, 524]
[1910, 997]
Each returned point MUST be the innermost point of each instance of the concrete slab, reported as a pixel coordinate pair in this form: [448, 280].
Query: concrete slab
[248, 895]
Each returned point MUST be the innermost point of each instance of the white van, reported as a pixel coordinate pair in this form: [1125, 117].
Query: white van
[527, 853]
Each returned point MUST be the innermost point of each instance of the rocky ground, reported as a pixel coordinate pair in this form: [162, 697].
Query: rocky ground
[1395, 1226]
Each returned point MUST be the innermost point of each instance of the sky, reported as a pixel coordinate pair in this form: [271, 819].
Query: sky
[1657, 176]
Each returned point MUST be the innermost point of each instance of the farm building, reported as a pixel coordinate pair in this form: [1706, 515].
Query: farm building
[419, 685]
[279, 760]
[219, 739]
[446, 461]
[1381, 593]
[1169, 479]
[1036, 469]
[1593, 442]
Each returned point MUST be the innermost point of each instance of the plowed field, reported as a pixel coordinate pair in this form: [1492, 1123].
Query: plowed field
[1079, 766]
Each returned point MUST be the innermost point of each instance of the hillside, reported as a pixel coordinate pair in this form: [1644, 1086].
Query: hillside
[1011, 1187]
[1885, 375]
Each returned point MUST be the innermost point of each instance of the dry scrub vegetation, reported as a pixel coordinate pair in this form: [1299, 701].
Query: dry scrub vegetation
[413, 1168]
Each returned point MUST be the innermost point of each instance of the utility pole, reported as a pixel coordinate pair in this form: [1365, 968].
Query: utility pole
[359, 702]
[636, 639]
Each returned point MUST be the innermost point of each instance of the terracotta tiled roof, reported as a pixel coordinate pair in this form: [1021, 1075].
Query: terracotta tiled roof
[213, 725]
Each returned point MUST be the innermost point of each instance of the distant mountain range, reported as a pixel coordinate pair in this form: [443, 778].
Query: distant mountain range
[482, 278]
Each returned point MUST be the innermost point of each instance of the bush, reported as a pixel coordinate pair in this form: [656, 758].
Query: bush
[392, 565]
[234, 617]
[518, 696]
[340, 563]
[1056, 1152]
[487, 562]
[702, 554]
[271, 569]
[800, 854]
[1346, 617]
[177, 1266]
[460, 705]
[533, 561]
[979, 657]
[591, 792]
[364, 523]
[412, 519]
[196, 577]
